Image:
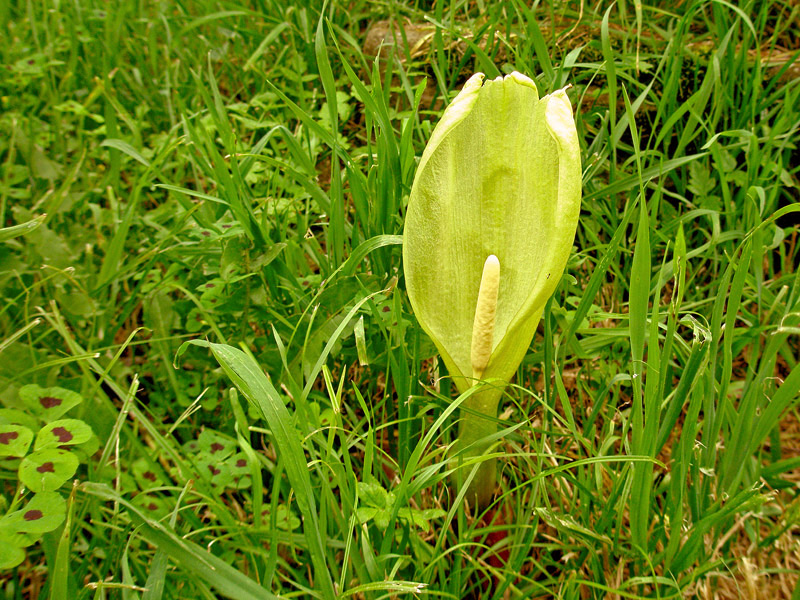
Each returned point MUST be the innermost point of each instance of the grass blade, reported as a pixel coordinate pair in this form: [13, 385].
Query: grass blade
[254, 385]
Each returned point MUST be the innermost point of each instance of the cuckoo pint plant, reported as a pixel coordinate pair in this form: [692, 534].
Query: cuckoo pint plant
[489, 227]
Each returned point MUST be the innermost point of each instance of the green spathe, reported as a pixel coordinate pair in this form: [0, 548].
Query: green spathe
[501, 175]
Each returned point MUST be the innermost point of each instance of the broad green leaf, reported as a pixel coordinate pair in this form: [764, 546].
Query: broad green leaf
[218, 471]
[43, 513]
[215, 444]
[14, 440]
[47, 470]
[285, 519]
[10, 556]
[146, 475]
[240, 470]
[373, 493]
[500, 176]
[420, 518]
[366, 513]
[49, 403]
[64, 432]
[11, 536]
[151, 505]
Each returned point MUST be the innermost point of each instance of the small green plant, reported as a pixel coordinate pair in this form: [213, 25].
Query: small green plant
[377, 505]
[489, 228]
[60, 446]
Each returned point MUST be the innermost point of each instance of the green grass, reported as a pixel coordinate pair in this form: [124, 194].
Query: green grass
[235, 177]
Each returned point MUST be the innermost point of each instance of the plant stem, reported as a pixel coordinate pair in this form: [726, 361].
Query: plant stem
[477, 422]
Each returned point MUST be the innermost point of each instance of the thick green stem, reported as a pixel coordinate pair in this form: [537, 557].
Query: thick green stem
[478, 421]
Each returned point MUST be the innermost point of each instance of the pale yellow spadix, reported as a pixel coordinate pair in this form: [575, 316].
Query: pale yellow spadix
[483, 325]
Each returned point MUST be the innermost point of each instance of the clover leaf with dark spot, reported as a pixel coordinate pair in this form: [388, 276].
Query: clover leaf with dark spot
[216, 469]
[240, 469]
[152, 505]
[215, 444]
[49, 403]
[14, 440]
[45, 512]
[65, 432]
[47, 470]
[147, 474]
